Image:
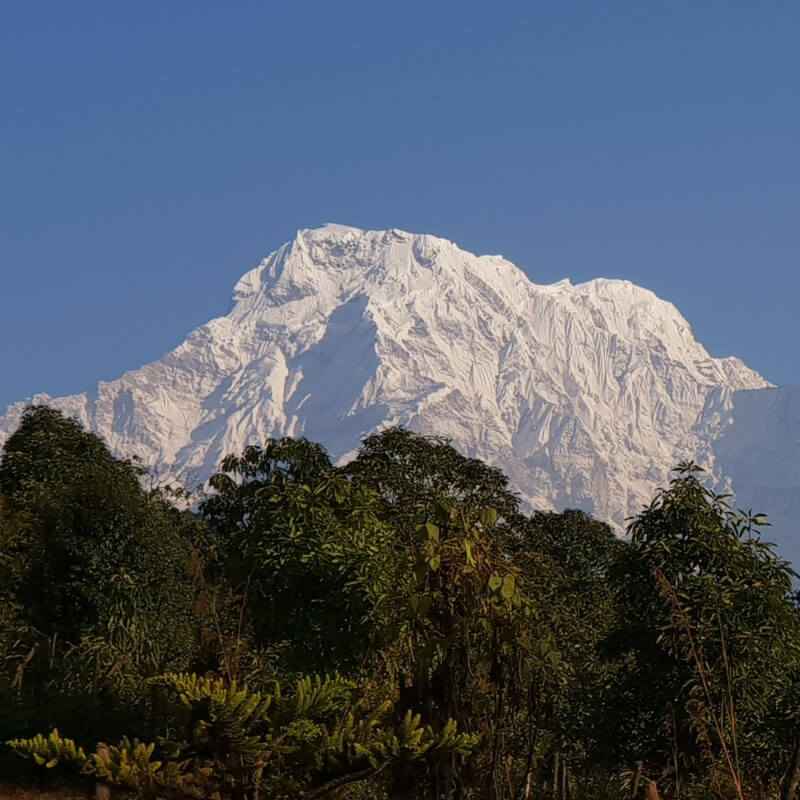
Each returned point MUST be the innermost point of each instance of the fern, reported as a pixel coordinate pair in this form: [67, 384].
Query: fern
[241, 741]
[50, 751]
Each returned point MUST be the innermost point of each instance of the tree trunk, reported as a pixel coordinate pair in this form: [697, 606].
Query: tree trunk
[555, 776]
[637, 780]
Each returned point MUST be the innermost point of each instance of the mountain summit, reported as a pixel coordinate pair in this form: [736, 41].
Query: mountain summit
[584, 395]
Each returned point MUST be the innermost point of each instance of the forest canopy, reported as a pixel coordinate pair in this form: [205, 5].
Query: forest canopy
[396, 627]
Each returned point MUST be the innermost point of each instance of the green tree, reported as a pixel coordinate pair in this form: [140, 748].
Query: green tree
[92, 527]
[101, 583]
[13, 530]
[566, 558]
[414, 475]
[294, 541]
[710, 640]
[491, 618]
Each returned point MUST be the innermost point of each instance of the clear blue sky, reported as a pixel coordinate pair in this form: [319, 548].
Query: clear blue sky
[151, 152]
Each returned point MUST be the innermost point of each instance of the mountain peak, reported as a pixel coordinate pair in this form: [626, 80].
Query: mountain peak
[584, 394]
[322, 267]
[332, 228]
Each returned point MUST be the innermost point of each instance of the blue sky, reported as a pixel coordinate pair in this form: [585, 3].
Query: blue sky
[150, 153]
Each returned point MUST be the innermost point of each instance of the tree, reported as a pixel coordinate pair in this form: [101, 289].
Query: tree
[709, 636]
[414, 475]
[566, 558]
[492, 618]
[101, 584]
[92, 527]
[13, 529]
[294, 540]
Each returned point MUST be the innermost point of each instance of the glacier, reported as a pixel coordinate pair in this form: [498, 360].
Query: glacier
[585, 395]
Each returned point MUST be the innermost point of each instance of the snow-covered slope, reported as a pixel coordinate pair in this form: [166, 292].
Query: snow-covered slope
[583, 394]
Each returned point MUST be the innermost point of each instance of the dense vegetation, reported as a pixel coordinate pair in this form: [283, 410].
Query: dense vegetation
[393, 628]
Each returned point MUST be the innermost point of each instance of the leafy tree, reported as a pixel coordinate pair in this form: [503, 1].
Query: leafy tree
[415, 475]
[566, 559]
[13, 529]
[92, 527]
[709, 637]
[101, 586]
[491, 617]
[294, 541]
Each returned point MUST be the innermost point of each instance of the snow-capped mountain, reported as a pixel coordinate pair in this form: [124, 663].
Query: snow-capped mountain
[585, 395]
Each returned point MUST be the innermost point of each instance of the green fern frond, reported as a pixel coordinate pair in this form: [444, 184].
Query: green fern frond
[49, 751]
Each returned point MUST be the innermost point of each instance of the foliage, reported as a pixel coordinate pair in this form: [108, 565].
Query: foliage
[474, 651]
[707, 601]
[293, 541]
[240, 742]
[416, 475]
[91, 527]
[51, 750]
[95, 572]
